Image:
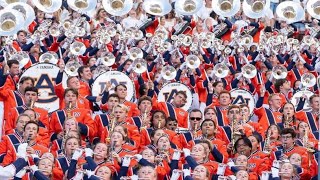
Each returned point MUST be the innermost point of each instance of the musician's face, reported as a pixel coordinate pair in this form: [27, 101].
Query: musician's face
[274, 132]
[102, 13]
[70, 97]
[242, 175]
[149, 155]
[198, 152]
[112, 101]
[120, 130]
[40, 14]
[208, 128]
[303, 127]
[25, 84]
[275, 101]
[163, 143]
[121, 92]
[287, 140]
[159, 120]
[31, 114]
[295, 159]
[22, 38]
[147, 172]
[70, 124]
[31, 96]
[242, 160]
[86, 74]
[195, 119]
[200, 173]
[179, 100]
[100, 151]
[288, 110]
[254, 142]
[71, 145]
[243, 148]
[234, 113]
[145, 106]
[315, 103]
[210, 114]
[287, 85]
[31, 131]
[45, 166]
[287, 170]
[157, 135]
[218, 88]
[224, 99]
[119, 113]
[117, 138]
[74, 83]
[14, 70]
[21, 122]
[48, 155]
[104, 173]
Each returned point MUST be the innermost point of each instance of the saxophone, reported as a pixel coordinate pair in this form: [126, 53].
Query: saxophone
[195, 131]
[32, 104]
[69, 116]
[305, 141]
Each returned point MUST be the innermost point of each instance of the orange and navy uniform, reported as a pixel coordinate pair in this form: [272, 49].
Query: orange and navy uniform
[146, 137]
[102, 124]
[174, 112]
[15, 112]
[11, 99]
[311, 119]
[267, 117]
[8, 142]
[186, 137]
[257, 165]
[132, 107]
[82, 116]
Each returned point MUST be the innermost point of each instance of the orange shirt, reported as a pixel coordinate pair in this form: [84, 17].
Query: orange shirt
[267, 117]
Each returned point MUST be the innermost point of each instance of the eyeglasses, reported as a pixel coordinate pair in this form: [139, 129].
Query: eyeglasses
[195, 118]
[286, 137]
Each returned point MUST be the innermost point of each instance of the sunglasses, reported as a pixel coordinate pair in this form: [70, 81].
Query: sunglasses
[195, 118]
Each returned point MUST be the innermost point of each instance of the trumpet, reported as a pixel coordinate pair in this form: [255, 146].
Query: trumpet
[113, 120]
[305, 141]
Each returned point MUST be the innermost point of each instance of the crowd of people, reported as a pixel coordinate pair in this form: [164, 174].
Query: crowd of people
[123, 133]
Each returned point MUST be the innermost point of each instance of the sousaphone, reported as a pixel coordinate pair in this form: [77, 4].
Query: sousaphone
[10, 22]
[49, 57]
[26, 10]
[290, 12]
[48, 6]
[249, 71]
[168, 72]
[77, 48]
[82, 5]
[117, 7]
[188, 7]
[192, 61]
[220, 70]
[157, 7]
[279, 72]
[308, 80]
[313, 8]
[5, 3]
[226, 8]
[255, 8]
[139, 65]
[22, 57]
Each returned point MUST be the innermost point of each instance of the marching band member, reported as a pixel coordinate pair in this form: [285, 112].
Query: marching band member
[144, 120]
[82, 116]
[195, 118]
[309, 117]
[31, 97]
[10, 80]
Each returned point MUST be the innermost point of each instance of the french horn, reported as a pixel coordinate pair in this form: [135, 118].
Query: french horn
[255, 8]
[77, 48]
[48, 6]
[117, 7]
[192, 61]
[139, 65]
[168, 72]
[157, 7]
[82, 5]
[226, 8]
[10, 22]
[279, 72]
[249, 71]
[187, 7]
[313, 8]
[49, 57]
[72, 67]
[308, 80]
[220, 70]
[290, 11]
[26, 10]
[135, 53]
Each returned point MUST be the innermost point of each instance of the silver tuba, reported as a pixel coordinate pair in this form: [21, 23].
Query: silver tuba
[49, 57]
[157, 7]
[135, 53]
[290, 11]
[26, 10]
[313, 8]
[279, 72]
[77, 48]
[5, 3]
[188, 7]
[139, 65]
[48, 6]
[255, 8]
[221, 70]
[249, 71]
[107, 59]
[22, 57]
[192, 61]
[72, 67]
[82, 5]
[226, 8]
[117, 7]
[308, 80]
[10, 22]
[168, 72]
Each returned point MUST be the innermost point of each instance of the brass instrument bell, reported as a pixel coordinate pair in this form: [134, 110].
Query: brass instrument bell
[135, 53]
[10, 22]
[49, 57]
[290, 11]
[117, 7]
[220, 70]
[77, 48]
[279, 72]
[72, 67]
[188, 7]
[308, 80]
[192, 61]
[157, 7]
[168, 72]
[249, 71]
[48, 6]
[139, 65]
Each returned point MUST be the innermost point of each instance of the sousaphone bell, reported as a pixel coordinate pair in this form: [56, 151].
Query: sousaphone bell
[49, 57]
[10, 22]
[117, 7]
[82, 5]
[220, 70]
[5, 3]
[308, 80]
[48, 6]
[188, 7]
[249, 71]
[313, 8]
[107, 59]
[26, 10]
[290, 11]
[139, 65]
[255, 8]
[279, 72]
[77, 48]
[157, 7]
[226, 8]
[22, 57]
[168, 73]
[192, 61]
[135, 53]
[72, 68]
